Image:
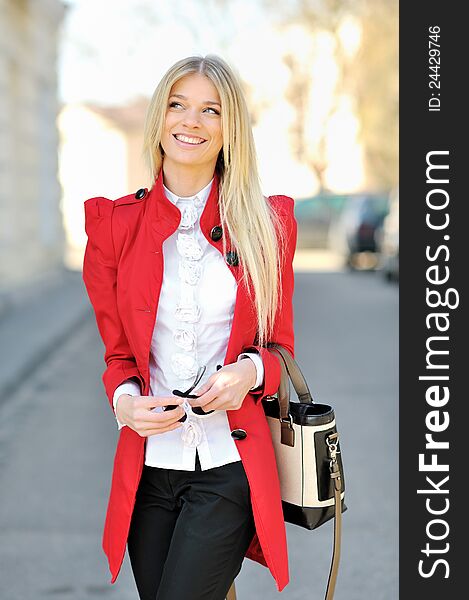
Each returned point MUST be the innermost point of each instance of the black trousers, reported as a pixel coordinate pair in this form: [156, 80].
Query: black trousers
[190, 531]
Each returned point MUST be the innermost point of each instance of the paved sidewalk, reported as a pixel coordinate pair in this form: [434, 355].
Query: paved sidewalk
[36, 319]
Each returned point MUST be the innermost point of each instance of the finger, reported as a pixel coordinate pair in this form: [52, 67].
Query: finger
[204, 398]
[147, 419]
[216, 404]
[222, 402]
[202, 389]
[164, 417]
[152, 401]
[171, 427]
[205, 387]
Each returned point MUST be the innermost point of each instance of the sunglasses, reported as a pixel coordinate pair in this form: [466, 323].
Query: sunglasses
[198, 410]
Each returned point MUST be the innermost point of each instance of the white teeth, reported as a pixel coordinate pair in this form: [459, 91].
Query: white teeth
[189, 140]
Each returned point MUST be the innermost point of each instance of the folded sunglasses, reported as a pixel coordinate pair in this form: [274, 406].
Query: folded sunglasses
[198, 410]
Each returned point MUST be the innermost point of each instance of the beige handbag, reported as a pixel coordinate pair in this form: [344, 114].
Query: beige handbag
[309, 463]
[307, 451]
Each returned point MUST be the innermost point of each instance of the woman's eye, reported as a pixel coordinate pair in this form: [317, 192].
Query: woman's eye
[174, 104]
[214, 110]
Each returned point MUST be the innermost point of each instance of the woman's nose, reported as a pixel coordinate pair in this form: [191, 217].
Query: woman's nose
[191, 118]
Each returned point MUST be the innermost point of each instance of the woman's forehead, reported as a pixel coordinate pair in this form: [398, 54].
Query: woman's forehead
[195, 83]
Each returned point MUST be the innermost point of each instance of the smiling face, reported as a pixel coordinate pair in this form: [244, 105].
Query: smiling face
[192, 134]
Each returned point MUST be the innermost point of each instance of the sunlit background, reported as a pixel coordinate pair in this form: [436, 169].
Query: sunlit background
[321, 81]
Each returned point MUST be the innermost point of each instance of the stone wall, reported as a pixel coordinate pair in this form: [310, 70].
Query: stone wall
[31, 228]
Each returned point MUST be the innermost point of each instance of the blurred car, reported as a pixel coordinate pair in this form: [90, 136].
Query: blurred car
[314, 216]
[356, 233]
[389, 259]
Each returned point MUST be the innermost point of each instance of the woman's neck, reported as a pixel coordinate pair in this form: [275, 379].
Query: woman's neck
[186, 182]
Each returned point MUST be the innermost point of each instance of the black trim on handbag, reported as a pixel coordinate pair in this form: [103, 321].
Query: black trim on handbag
[307, 450]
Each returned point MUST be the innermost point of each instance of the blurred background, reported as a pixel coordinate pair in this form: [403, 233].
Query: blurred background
[76, 77]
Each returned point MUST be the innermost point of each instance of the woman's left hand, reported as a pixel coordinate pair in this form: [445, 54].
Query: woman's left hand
[227, 388]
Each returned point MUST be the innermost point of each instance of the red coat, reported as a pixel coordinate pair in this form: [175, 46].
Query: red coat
[122, 272]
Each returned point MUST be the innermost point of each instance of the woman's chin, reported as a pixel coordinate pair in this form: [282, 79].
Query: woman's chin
[181, 159]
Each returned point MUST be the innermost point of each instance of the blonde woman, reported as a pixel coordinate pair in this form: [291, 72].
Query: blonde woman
[190, 280]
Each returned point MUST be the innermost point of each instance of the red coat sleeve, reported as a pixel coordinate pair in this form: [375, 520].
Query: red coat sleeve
[283, 332]
[100, 279]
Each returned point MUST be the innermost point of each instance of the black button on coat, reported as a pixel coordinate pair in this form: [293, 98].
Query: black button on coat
[239, 434]
[216, 233]
[232, 258]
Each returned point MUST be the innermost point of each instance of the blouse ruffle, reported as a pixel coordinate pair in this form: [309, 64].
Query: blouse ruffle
[187, 312]
[188, 247]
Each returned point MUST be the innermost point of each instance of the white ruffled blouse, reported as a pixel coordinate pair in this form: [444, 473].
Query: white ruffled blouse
[192, 328]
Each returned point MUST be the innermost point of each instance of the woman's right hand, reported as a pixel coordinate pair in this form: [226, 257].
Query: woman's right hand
[136, 413]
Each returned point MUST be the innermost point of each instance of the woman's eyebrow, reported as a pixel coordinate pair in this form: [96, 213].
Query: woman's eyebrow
[184, 98]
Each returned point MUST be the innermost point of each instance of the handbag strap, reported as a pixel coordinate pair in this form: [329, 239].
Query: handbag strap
[337, 479]
[290, 369]
[294, 372]
[287, 432]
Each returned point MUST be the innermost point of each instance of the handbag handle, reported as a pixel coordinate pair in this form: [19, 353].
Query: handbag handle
[289, 369]
[294, 372]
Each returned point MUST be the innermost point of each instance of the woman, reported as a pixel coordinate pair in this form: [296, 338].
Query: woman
[189, 283]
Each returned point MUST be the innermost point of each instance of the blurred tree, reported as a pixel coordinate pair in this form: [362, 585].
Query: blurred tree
[307, 149]
[368, 74]
[376, 80]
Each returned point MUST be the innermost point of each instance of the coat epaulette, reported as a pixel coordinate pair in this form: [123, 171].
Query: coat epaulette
[139, 195]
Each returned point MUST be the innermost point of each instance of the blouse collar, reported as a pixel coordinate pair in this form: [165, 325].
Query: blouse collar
[198, 199]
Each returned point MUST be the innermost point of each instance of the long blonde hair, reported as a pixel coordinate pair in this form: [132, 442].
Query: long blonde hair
[255, 229]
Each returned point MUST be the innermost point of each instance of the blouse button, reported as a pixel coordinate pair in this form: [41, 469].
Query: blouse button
[216, 233]
[140, 193]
